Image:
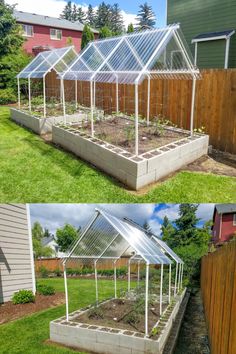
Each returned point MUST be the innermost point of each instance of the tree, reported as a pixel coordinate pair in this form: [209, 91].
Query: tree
[130, 28]
[167, 231]
[67, 13]
[186, 224]
[87, 36]
[66, 236]
[117, 23]
[103, 16]
[146, 17]
[147, 227]
[74, 14]
[105, 32]
[37, 237]
[90, 16]
[80, 15]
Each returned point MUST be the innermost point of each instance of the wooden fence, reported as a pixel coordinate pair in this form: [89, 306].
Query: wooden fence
[218, 284]
[51, 264]
[215, 107]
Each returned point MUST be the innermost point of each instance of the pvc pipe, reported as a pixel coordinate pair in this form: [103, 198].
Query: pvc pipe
[18, 87]
[66, 293]
[115, 279]
[94, 94]
[44, 98]
[136, 119]
[161, 287]
[227, 53]
[96, 280]
[29, 94]
[148, 100]
[61, 91]
[117, 97]
[176, 277]
[181, 280]
[91, 104]
[195, 54]
[179, 276]
[146, 300]
[169, 283]
[129, 277]
[192, 106]
[138, 274]
[63, 100]
[76, 94]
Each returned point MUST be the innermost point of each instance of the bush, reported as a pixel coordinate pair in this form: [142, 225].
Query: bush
[44, 272]
[58, 272]
[44, 289]
[7, 96]
[23, 297]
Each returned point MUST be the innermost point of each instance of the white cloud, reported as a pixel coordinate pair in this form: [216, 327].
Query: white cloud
[54, 8]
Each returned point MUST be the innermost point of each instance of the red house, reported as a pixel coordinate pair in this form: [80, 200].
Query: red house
[224, 223]
[45, 33]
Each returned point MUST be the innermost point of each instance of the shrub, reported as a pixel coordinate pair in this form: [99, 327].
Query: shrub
[44, 272]
[58, 272]
[44, 289]
[23, 297]
[7, 96]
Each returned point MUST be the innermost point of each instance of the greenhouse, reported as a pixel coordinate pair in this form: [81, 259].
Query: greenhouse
[141, 304]
[57, 60]
[129, 60]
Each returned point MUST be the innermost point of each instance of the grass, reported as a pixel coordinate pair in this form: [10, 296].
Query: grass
[29, 335]
[33, 171]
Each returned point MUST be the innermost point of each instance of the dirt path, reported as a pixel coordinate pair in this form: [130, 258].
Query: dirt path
[193, 337]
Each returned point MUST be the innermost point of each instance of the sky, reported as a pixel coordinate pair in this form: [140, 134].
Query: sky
[53, 216]
[129, 8]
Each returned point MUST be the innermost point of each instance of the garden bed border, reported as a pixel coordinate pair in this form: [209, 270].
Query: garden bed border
[93, 338]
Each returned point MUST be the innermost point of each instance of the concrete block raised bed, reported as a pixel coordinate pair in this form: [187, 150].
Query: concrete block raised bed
[42, 125]
[113, 340]
[135, 172]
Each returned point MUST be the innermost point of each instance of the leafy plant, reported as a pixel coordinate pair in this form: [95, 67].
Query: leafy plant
[44, 289]
[23, 297]
[129, 133]
[200, 130]
[95, 313]
[7, 96]
[159, 129]
[44, 272]
[58, 272]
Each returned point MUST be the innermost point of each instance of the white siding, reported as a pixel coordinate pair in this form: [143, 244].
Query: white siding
[15, 253]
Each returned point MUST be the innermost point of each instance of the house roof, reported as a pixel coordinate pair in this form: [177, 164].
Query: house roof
[109, 237]
[34, 19]
[130, 58]
[46, 240]
[225, 208]
[208, 36]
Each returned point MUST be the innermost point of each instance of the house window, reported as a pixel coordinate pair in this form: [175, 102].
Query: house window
[55, 34]
[28, 30]
[234, 219]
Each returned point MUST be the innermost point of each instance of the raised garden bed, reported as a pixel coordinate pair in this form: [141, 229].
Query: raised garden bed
[42, 125]
[105, 336]
[134, 171]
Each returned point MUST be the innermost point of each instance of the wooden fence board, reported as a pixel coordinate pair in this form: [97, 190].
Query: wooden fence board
[215, 106]
[218, 285]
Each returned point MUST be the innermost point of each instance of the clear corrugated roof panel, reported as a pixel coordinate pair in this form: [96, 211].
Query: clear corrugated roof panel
[131, 58]
[168, 250]
[110, 237]
[57, 59]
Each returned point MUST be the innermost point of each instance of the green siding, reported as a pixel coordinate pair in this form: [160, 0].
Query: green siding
[199, 16]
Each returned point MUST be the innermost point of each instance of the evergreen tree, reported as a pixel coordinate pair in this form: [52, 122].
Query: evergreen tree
[130, 28]
[146, 17]
[90, 16]
[87, 36]
[74, 14]
[186, 224]
[80, 15]
[67, 13]
[103, 16]
[117, 23]
[167, 231]
[105, 32]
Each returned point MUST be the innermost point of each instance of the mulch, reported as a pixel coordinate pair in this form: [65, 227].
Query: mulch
[10, 312]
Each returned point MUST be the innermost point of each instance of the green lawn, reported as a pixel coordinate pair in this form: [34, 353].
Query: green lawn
[28, 335]
[33, 171]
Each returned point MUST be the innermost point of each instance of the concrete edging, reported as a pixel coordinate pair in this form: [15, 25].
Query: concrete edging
[135, 172]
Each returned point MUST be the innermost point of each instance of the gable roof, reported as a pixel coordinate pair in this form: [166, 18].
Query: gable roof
[225, 208]
[34, 19]
[109, 237]
[130, 58]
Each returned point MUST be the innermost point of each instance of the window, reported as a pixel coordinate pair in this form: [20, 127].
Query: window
[55, 34]
[234, 219]
[28, 30]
